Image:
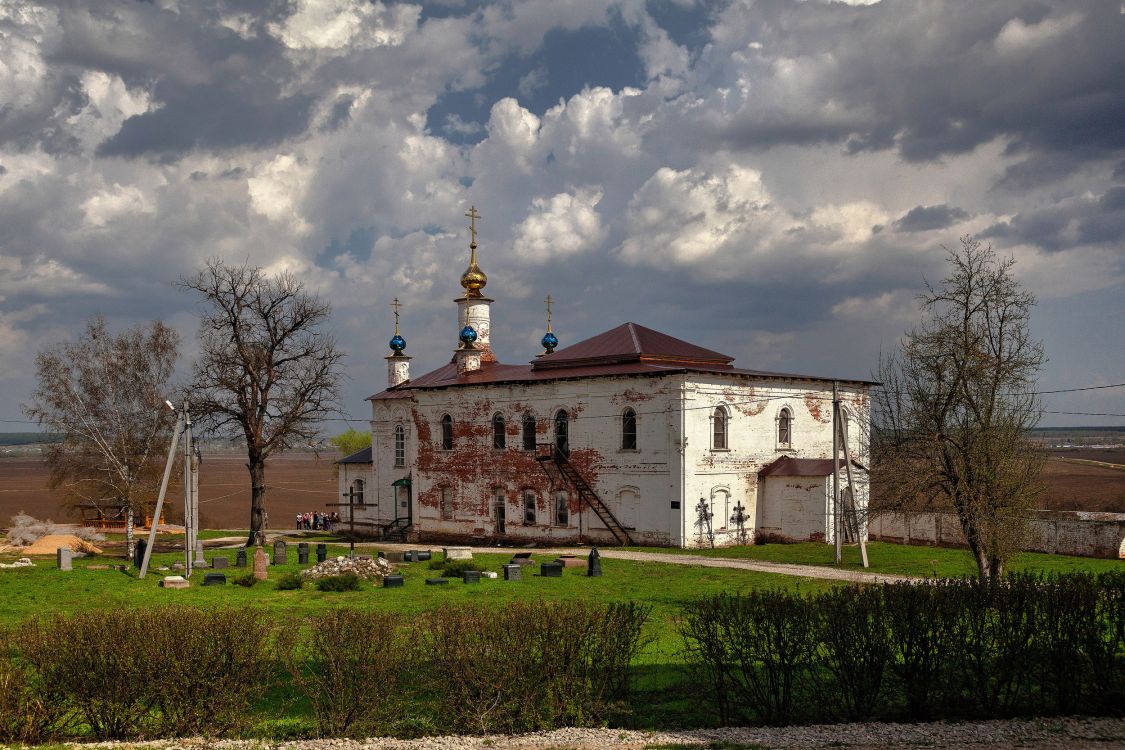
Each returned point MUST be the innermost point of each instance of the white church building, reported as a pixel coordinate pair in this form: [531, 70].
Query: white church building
[628, 437]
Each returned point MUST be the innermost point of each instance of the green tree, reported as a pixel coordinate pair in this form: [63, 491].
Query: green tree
[351, 440]
[951, 421]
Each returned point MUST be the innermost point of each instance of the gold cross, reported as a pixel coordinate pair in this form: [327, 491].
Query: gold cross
[548, 301]
[473, 216]
[396, 306]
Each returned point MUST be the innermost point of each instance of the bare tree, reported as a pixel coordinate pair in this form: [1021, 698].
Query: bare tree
[266, 369]
[105, 395]
[957, 403]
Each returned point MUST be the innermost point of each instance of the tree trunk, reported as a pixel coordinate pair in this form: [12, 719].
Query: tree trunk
[257, 469]
[130, 543]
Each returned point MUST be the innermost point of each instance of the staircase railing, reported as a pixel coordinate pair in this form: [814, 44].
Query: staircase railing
[549, 456]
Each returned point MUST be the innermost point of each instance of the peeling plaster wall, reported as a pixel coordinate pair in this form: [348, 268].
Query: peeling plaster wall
[752, 439]
[349, 473]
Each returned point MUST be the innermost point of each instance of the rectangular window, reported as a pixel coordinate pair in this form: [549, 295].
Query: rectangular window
[529, 508]
[400, 446]
[562, 509]
[447, 503]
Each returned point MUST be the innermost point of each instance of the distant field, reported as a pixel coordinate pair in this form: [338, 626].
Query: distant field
[298, 482]
[1084, 487]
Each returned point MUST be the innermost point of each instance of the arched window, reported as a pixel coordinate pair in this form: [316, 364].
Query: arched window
[629, 430]
[446, 432]
[400, 445]
[784, 428]
[719, 429]
[562, 431]
[357, 492]
[529, 432]
[499, 437]
[529, 507]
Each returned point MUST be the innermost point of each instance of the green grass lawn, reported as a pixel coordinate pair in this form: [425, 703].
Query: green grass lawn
[904, 559]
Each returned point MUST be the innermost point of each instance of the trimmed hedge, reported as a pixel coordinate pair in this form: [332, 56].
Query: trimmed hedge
[1027, 645]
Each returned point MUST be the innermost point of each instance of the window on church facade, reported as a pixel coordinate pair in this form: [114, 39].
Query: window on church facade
[562, 509]
[719, 425]
[499, 437]
[629, 430]
[400, 445]
[529, 508]
[446, 432]
[357, 492]
[529, 433]
[562, 432]
[447, 503]
[784, 428]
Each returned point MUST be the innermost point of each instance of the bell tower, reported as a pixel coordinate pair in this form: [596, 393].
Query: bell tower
[473, 308]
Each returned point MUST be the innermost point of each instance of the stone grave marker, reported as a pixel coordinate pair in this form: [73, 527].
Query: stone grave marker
[571, 561]
[421, 555]
[200, 560]
[594, 563]
[260, 563]
[470, 576]
[458, 553]
[408, 556]
[139, 552]
[279, 552]
[303, 553]
[321, 552]
[522, 558]
[175, 582]
[214, 579]
[218, 563]
[240, 558]
[393, 582]
[513, 572]
[436, 581]
[64, 556]
[395, 557]
[551, 569]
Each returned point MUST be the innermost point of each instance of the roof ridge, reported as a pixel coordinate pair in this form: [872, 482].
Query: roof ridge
[631, 327]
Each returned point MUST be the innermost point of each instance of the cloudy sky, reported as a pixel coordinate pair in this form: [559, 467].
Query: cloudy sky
[770, 179]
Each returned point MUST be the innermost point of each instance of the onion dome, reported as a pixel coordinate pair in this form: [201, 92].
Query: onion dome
[549, 342]
[398, 343]
[468, 336]
[473, 279]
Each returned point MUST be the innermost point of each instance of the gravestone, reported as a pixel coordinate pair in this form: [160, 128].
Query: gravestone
[522, 558]
[408, 556]
[421, 555]
[395, 557]
[63, 558]
[240, 558]
[303, 553]
[139, 552]
[279, 552]
[436, 581]
[321, 552]
[260, 563]
[594, 564]
[175, 582]
[513, 572]
[470, 576]
[218, 563]
[177, 565]
[551, 569]
[214, 579]
[200, 560]
[393, 582]
[570, 561]
[458, 553]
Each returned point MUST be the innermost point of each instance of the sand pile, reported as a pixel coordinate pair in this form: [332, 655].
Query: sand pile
[46, 545]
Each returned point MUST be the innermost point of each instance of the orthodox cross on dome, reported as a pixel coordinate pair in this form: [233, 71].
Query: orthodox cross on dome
[549, 302]
[396, 306]
[474, 279]
[549, 340]
[473, 216]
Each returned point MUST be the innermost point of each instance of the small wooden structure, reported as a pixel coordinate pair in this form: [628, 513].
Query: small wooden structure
[110, 516]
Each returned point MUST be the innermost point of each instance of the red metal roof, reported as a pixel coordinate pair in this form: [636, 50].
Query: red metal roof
[630, 342]
[787, 466]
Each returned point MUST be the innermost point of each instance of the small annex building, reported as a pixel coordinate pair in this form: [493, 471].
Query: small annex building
[630, 436]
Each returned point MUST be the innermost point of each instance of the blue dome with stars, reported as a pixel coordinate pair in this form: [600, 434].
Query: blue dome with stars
[398, 343]
[468, 335]
[549, 341]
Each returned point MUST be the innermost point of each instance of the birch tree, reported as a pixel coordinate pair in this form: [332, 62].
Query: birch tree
[104, 394]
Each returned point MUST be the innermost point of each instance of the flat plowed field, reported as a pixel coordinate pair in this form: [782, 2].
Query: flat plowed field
[297, 482]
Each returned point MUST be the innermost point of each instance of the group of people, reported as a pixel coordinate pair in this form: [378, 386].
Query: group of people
[318, 521]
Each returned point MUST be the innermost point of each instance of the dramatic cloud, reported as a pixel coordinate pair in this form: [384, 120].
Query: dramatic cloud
[772, 178]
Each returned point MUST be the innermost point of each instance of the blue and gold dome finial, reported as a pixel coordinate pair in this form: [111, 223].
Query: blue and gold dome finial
[468, 335]
[549, 340]
[398, 343]
[473, 279]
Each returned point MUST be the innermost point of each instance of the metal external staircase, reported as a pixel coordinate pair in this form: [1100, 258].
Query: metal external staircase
[395, 530]
[549, 456]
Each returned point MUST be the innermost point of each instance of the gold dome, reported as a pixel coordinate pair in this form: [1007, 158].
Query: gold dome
[473, 279]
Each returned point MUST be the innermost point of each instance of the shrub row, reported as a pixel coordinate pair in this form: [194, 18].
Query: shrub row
[950, 649]
[177, 671]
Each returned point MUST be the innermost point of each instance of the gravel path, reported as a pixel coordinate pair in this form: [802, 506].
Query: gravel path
[785, 569]
[1047, 734]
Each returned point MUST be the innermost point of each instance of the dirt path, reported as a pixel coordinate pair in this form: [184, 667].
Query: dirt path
[785, 569]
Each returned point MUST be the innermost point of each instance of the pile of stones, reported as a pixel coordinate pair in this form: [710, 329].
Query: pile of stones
[365, 567]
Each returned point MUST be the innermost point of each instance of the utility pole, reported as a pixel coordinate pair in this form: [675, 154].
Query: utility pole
[836, 525]
[851, 496]
[189, 516]
[163, 490]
